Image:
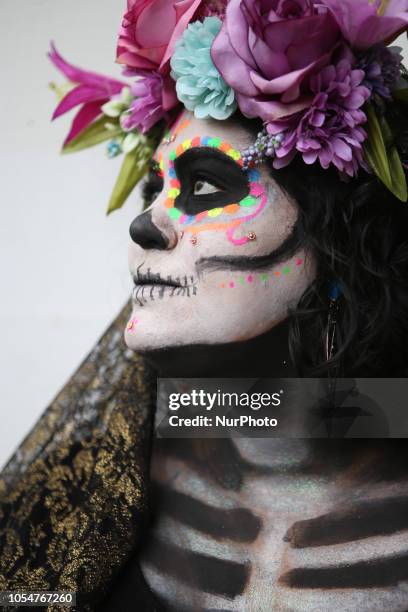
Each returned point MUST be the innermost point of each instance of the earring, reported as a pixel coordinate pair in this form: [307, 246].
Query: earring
[334, 370]
[330, 338]
[251, 236]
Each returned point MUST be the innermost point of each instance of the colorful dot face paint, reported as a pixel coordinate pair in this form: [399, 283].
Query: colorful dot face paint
[169, 138]
[205, 207]
[247, 207]
[251, 279]
[171, 135]
[131, 326]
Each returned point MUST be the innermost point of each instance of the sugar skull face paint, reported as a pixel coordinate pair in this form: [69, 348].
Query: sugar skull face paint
[181, 124]
[131, 326]
[227, 263]
[230, 216]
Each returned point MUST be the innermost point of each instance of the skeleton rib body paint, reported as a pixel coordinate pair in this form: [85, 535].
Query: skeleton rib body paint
[212, 224]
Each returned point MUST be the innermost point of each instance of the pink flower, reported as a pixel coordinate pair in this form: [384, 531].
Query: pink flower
[146, 109]
[330, 130]
[365, 23]
[268, 49]
[92, 92]
[149, 31]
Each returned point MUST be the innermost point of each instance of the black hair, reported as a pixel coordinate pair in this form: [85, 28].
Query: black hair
[357, 232]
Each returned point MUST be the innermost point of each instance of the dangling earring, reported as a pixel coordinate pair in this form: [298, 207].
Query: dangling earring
[330, 336]
[330, 344]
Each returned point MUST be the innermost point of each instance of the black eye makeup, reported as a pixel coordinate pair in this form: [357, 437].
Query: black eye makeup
[208, 179]
[203, 187]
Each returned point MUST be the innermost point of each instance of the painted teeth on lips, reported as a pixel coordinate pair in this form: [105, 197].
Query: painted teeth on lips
[150, 278]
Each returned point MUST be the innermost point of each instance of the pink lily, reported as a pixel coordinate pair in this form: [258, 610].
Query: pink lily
[92, 91]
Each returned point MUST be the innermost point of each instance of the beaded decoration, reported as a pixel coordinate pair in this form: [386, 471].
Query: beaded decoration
[265, 147]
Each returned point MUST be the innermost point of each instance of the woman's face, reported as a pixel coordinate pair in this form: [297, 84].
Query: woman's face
[215, 258]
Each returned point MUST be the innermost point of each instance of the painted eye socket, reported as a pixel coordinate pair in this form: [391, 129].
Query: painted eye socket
[202, 187]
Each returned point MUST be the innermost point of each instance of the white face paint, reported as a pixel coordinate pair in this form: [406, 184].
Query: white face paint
[207, 305]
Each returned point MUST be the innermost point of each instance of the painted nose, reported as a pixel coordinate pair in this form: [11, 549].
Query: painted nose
[146, 234]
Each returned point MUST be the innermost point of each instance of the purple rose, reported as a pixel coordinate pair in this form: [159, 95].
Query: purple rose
[268, 49]
[366, 23]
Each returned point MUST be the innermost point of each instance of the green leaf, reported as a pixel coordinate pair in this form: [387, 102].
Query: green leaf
[135, 165]
[61, 90]
[93, 135]
[383, 156]
[399, 182]
[375, 148]
[400, 94]
[133, 168]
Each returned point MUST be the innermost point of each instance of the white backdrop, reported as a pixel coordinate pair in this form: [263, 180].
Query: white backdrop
[63, 264]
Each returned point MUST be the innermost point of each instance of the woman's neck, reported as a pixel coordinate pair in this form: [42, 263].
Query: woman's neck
[266, 355]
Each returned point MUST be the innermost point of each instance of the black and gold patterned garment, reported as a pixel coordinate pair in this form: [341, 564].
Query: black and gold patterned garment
[73, 496]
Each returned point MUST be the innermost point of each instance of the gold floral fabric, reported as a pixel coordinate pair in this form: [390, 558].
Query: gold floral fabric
[73, 496]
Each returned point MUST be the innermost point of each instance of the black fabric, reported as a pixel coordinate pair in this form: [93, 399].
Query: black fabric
[130, 592]
[73, 497]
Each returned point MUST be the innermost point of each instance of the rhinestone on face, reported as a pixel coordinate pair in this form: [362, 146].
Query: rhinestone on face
[251, 236]
[193, 240]
[169, 139]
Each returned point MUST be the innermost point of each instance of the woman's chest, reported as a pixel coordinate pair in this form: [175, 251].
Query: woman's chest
[238, 529]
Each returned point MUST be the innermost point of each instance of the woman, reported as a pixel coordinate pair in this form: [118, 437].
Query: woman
[247, 262]
[231, 527]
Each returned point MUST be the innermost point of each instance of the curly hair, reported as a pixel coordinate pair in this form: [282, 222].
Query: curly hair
[358, 234]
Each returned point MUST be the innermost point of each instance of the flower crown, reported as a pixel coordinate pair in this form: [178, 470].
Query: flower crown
[318, 73]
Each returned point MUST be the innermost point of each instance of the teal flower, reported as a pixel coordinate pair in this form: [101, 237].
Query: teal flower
[199, 85]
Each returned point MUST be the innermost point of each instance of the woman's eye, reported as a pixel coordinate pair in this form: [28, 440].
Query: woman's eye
[204, 188]
[151, 188]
